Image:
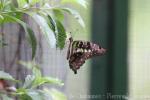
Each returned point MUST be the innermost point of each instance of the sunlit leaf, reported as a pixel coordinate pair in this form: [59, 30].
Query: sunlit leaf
[7, 5]
[33, 2]
[56, 95]
[28, 65]
[48, 33]
[7, 76]
[75, 14]
[1, 5]
[7, 19]
[46, 80]
[21, 91]
[36, 72]
[28, 81]
[59, 31]
[5, 97]
[50, 80]
[36, 79]
[22, 3]
[58, 14]
[32, 66]
[1, 17]
[35, 95]
[22, 94]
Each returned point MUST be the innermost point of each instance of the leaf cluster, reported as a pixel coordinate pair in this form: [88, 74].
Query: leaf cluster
[33, 87]
[49, 18]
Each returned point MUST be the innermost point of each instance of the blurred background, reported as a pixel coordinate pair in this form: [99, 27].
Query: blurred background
[120, 26]
[105, 77]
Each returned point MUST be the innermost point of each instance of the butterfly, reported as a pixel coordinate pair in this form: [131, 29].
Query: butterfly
[79, 51]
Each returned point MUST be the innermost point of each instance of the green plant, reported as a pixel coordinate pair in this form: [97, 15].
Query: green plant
[50, 17]
[31, 87]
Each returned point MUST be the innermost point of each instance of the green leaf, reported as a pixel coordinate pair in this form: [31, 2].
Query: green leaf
[22, 94]
[24, 97]
[1, 17]
[50, 80]
[28, 65]
[22, 3]
[5, 5]
[21, 91]
[61, 36]
[75, 14]
[5, 97]
[28, 81]
[1, 5]
[32, 41]
[46, 30]
[36, 72]
[6, 20]
[56, 95]
[33, 2]
[46, 80]
[35, 95]
[6, 17]
[81, 2]
[36, 79]
[32, 66]
[59, 31]
[58, 14]
[52, 24]
[6, 76]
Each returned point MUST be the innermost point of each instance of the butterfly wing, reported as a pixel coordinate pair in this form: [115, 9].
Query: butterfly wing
[81, 51]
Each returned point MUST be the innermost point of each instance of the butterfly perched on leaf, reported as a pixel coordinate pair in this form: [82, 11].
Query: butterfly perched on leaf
[80, 51]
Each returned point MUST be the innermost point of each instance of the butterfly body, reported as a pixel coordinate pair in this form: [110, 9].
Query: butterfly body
[79, 51]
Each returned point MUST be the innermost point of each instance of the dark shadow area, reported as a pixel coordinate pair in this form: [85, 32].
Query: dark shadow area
[109, 28]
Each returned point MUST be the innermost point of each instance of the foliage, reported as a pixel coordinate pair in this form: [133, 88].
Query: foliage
[5, 76]
[31, 88]
[49, 18]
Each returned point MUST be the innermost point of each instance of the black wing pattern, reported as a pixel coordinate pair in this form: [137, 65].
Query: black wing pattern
[80, 51]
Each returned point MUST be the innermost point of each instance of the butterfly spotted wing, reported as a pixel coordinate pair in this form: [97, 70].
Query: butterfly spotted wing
[80, 51]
